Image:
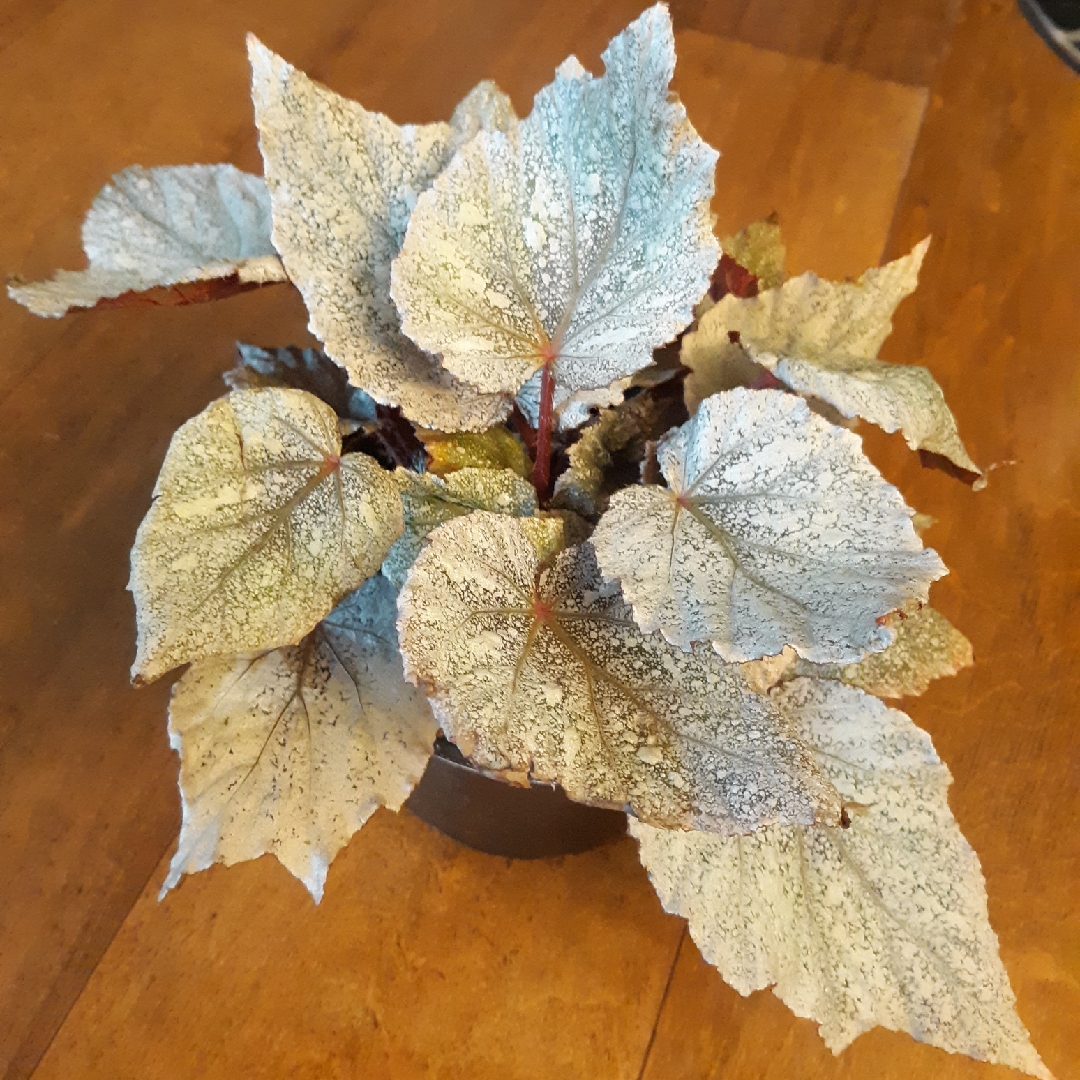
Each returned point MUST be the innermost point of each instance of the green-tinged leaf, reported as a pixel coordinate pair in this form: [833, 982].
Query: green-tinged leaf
[822, 338]
[496, 448]
[542, 672]
[583, 238]
[429, 501]
[292, 751]
[880, 924]
[257, 529]
[160, 227]
[927, 647]
[300, 369]
[343, 182]
[581, 487]
[774, 530]
[759, 249]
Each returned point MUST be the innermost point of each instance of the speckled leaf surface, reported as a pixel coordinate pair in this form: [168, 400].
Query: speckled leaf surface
[542, 672]
[822, 338]
[292, 751]
[257, 529]
[881, 924]
[927, 647]
[343, 182]
[583, 238]
[429, 501]
[168, 226]
[774, 530]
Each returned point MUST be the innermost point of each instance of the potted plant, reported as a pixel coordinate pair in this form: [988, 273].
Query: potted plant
[573, 484]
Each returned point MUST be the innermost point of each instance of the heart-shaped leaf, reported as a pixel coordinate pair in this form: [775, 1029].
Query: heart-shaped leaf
[880, 924]
[822, 338]
[292, 751]
[542, 673]
[582, 240]
[160, 227]
[343, 182]
[774, 530]
[258, 528]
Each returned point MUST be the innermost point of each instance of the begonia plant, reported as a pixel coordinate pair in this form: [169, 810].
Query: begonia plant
[575, 484]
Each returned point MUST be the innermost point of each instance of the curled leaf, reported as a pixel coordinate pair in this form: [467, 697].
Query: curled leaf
[258, 528]
[300, 369]
[292, 751]
[880, 924]
[429, 501]
[496, 448]
[542, 672]
[774, 530]
[343, 182]
[581, 487]
[927, 647]
[583, 239]
[822, 338]
[162, 227]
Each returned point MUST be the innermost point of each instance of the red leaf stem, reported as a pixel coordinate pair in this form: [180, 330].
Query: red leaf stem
[542, 461]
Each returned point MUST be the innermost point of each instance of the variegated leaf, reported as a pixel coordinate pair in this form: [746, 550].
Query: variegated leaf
[822, 338]
[774, 530]
[292, 751]
[159, 227]
[927, 647]
[343, 182]
[582, 240]
[258, 528]
[881, 924]
[541, 672]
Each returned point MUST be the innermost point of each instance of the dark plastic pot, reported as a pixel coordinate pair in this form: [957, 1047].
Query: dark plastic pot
[489, 815]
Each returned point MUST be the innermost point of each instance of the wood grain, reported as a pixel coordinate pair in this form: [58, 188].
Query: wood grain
[760, 90]
[824, 147]
[88, 799]
[996, 180]
[899, 40]
[425, 957]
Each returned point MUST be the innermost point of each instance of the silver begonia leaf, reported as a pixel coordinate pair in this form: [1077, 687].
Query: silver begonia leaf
[822, 338]
[881, 924]
[584, 238]
[257, 529]
[429, 501]
[292, 751]
[541, 672]
[160, 227]
[343, 182]
[774, 530]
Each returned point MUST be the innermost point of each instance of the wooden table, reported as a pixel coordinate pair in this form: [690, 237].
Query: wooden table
[866, 124]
